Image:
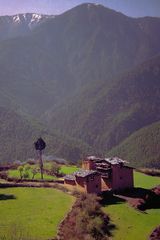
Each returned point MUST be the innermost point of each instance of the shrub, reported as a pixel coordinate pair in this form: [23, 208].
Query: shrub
[55, 169]
[31, 162]
[21, 170]
[4, 175]
[86, 219]
[34, 172]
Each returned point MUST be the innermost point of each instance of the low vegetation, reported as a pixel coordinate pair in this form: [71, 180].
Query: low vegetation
[52, 171]
[155, 234]
[86, 220]
[145, 181]
[68, 169]
[150, 171]
[17, 174]
[130, 223]
[37, 212]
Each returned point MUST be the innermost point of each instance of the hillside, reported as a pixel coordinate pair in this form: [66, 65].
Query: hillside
[20, 24]
[15, 213]
[89, 74]
[82, 47]
[104, 118]
[18, 133]
[141, 148]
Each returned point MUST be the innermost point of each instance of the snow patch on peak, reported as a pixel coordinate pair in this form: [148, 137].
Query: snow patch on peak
[36, 16]
[89, 5]
[16, 19]
[30, 19]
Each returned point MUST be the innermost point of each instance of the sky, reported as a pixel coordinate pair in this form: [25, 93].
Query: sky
[133, 8]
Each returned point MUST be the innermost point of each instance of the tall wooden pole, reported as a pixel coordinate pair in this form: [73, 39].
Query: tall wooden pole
[40, 162]
[39, 146]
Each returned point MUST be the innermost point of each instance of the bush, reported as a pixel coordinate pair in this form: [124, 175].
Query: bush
[31, 162]
[21, 170]
[55, 169]
[34, 171]
[86, 220]
[4, 175]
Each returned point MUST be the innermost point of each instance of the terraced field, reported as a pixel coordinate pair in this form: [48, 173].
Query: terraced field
[65, 169]
[132, 224]
[36, 213]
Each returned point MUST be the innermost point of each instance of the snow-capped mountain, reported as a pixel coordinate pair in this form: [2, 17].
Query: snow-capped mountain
[30, 19]
[20, 24]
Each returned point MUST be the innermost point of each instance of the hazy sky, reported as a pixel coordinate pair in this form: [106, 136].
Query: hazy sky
[134, 8]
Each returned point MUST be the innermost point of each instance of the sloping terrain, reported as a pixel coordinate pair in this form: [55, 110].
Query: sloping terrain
[142, 147]
[104, 118]
[75, 50]
[19, 24]
[32, 213]
[89, 73]
[130, 223]
[18, 134]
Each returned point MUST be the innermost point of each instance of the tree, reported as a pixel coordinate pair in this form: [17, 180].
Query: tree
[40, 146]
[26, 171]
[34, 172]
[21, 170]
[55, 169]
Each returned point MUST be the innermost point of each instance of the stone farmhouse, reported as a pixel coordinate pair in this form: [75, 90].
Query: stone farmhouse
[101, 174]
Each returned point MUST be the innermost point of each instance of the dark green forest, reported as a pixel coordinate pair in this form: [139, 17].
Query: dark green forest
[87, 81]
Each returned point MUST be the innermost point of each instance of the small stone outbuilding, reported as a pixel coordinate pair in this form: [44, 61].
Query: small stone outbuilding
[88, 181]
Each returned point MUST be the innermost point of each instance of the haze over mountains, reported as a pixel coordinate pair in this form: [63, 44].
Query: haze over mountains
[90, 74]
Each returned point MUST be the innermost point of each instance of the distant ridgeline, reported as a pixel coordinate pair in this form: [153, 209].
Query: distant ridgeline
[87, 81]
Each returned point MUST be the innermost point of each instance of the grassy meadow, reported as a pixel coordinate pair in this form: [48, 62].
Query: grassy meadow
[68, 169]
[132, 224]
[145, 181]
[39, 211]
[35, 211]
[64, 169]
[15, 174]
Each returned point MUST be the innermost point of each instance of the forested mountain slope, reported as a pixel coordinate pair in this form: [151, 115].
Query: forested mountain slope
[82, 47]
[105, 118]
[18, 134]
[90, 73]
[141, 148]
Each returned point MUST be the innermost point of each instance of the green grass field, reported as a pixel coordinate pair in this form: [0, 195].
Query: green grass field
[37, 211]
[16, 174]
[64, 169]
[68, 169]
[130, 223]
[145, 181]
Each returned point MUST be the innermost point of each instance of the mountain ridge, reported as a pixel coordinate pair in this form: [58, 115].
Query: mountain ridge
[18, 132]
[108, 118]
[20, 24]
[67, 73]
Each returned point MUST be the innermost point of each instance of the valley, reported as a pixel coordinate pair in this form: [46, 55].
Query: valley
[84, 87]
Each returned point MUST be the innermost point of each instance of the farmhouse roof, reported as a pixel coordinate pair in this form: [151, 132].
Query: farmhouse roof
[84, 173]
[79, 173]
[115, 160]
[111, 160]
[70, 177]
[91, 157]
[94, 158]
